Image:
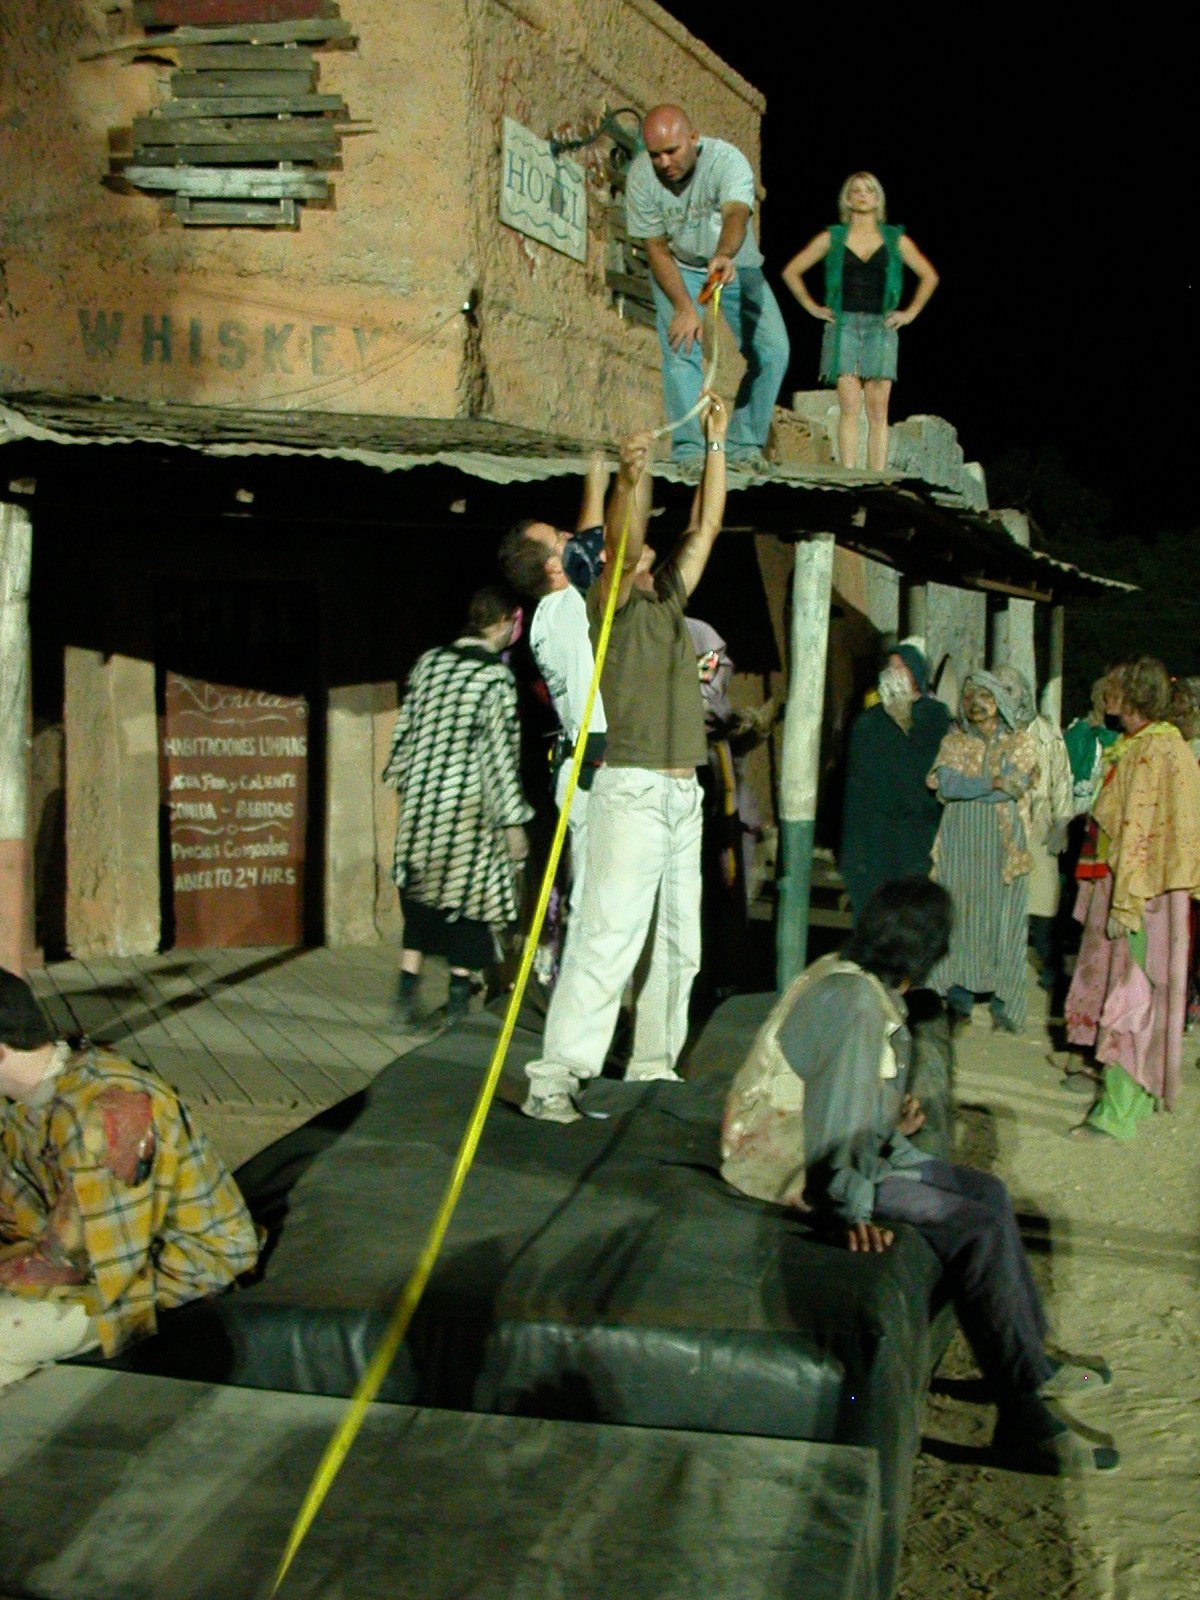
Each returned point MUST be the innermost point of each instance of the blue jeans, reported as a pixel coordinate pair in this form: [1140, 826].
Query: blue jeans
[752, 311]
[967, 1219]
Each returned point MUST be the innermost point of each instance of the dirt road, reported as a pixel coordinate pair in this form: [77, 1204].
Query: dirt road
[1114, 1235]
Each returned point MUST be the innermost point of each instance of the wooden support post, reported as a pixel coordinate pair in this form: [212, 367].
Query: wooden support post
[16, 542]
[916, 618]
[811, 591]
[1053, 693]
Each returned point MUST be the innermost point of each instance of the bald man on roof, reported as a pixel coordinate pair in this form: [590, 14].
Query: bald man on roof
[690, 198]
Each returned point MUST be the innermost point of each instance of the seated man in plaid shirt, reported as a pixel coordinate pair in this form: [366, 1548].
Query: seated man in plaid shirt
[112, 1206]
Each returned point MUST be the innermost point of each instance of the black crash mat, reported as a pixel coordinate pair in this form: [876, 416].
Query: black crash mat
[115, 1486]
[597, 1272]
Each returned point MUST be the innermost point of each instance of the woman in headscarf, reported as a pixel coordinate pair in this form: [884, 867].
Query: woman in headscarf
[983, 774]
[1128, 997]
[1051, 807]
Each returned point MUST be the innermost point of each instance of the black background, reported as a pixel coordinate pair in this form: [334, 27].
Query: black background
[1047, 170]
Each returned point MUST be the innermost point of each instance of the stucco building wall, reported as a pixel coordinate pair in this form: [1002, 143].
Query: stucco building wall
[359, 309]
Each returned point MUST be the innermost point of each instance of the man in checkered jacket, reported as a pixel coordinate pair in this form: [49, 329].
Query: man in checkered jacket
[112, 1205]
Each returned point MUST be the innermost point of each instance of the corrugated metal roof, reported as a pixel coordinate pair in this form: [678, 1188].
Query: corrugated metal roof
[899, 520]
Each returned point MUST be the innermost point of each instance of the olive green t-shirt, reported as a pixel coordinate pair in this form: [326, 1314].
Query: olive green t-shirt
[650, 683]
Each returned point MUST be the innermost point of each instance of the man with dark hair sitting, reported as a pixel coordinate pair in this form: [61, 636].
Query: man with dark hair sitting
[819, 1117]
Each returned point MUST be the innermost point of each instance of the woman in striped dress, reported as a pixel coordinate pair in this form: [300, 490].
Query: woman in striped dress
[455, 761]
[983, 774]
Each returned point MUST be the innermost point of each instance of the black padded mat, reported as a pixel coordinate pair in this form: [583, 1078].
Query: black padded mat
[597, 1272]
[117, 1486]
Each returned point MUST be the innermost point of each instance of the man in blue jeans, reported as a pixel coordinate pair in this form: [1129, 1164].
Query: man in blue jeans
[690, 199]
[820, 1117]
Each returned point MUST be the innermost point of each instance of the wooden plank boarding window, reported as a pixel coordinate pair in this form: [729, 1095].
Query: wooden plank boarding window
[627, 267]
[235, 765]
[244, 138]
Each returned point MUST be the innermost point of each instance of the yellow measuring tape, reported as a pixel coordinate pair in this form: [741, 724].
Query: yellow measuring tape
[380, 1363]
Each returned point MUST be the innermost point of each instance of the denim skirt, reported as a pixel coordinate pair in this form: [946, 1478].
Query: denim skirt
[859, 344]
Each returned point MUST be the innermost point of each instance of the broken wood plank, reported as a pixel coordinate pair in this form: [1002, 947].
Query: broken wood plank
[263, 149]
[245, 58]
[226, 183]
[257, 105]
[189, 85]
[635, 311]
[234, 213]
[233, 130]
[336, 33]
[206, 13]
[632, 286]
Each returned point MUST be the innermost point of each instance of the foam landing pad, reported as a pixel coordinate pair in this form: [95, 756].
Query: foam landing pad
[115, 1485]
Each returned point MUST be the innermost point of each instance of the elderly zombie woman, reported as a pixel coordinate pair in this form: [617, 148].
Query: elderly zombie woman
[983, 774]
[865, 257]
[1128, 997]
[1052, 803]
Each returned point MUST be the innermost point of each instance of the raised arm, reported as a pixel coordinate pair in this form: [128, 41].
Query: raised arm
[630, 498]
[595, 487]
[708, 509]
[927, 282]
[793, 275]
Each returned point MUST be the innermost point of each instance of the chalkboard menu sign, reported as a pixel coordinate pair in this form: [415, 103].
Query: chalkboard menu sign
[236, 777]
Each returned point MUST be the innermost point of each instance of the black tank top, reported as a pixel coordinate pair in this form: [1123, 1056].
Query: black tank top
[863, 281]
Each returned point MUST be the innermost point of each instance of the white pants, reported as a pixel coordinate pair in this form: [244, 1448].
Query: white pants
[35, 1332]
[643, 854]
[577, 823]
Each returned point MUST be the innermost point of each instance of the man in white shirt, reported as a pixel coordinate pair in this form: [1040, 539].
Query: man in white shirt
[555, 568]
[690, 198]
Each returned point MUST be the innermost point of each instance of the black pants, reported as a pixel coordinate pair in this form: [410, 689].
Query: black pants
[967, 1218]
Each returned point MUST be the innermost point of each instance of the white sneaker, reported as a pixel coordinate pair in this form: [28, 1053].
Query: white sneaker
[651, 1073]
[550, 1108]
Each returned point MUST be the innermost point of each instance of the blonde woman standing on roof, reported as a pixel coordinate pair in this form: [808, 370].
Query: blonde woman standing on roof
[865, 257]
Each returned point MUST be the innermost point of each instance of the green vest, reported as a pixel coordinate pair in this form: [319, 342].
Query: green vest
[893, 281]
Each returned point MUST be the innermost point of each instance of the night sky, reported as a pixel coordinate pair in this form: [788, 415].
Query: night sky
[1052, 182]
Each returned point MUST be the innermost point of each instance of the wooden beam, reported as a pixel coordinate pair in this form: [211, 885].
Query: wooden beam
[297, 131]
[207, 13]
[334, 32]
[998, 586]
[244, 58]
[211, 85]
[257, 105]
[1051, 705]
[235, 213]
[215, 155]
[16, 545]
[230, 183]
[812, 592]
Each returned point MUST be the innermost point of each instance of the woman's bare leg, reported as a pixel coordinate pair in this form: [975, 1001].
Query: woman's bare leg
[850, 394]
[877, 392]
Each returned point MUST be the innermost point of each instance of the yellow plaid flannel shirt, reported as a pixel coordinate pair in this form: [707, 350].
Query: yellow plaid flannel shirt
[182, 1234]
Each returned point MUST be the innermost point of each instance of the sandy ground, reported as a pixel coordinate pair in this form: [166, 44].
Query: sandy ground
[1112, 1233]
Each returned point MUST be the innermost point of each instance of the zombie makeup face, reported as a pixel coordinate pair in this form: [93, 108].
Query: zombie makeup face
[897, 692]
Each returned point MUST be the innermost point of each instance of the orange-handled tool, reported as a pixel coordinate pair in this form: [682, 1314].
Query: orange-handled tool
[710, 283]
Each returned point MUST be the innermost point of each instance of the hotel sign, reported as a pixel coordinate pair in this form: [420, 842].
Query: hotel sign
[541, 195]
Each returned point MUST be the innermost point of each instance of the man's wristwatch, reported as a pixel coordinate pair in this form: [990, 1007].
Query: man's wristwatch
[716, 444]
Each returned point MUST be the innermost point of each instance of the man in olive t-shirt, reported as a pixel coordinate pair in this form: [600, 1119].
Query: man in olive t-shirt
[644, 811]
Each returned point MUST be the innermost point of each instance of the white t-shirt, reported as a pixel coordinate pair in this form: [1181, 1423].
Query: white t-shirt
[691, 220]
[562, 648]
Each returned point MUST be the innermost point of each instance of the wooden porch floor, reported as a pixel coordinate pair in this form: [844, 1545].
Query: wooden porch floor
[254, 1040]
